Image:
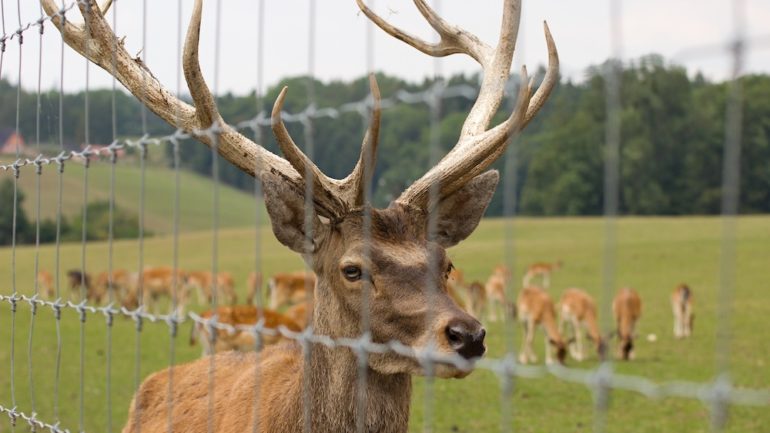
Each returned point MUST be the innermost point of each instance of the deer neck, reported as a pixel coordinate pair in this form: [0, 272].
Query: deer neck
[334, 377]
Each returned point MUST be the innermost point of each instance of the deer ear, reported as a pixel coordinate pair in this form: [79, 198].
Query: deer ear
[460, 213]
[286, 208]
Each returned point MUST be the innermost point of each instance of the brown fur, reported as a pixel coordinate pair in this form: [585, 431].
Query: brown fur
[203, 283]
[76, 279]
[477, 299]
[268, 386]
[627, 309]
[254, 285]
[157, 282]
[579, 310]
[681, 305]
[289, 288]
[120, 282]
[45, 284]
[535, 308]
[542, 270]
[498, 303]
[241, 340]
[300, 314]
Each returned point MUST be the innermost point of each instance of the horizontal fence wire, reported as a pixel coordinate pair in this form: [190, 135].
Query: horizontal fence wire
[716, 393]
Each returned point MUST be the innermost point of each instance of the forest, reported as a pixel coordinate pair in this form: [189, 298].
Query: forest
[672, 137]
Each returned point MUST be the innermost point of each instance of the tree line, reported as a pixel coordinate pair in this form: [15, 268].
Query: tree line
[671, 149]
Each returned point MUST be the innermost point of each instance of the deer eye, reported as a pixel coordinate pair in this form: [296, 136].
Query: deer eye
[449, 269]
[352, 273]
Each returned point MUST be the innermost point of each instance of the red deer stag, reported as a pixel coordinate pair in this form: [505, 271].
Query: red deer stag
[401, 263]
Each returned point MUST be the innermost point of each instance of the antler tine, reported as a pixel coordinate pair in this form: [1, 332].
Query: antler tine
[205, 105]
[550, 79]
[358, 181]
[104, 8]
[446, 46]
[457, 168]
[324, 188]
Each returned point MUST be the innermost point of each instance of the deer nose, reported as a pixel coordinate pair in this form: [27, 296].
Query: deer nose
[466, 340]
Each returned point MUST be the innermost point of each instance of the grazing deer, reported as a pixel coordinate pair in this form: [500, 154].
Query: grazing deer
[627, 308]
[681, 304]
[477, 299]
[578, 310]
[157, 282]
[542, 270]
[497, 302]
[240, 340]
[289, 289]
[78, 279]
[45, 284]
[203, 282]
[396, 256]
[535, 308]
[119, 280]
[254, 284]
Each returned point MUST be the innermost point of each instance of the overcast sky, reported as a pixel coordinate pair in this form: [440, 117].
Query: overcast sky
[687, 32]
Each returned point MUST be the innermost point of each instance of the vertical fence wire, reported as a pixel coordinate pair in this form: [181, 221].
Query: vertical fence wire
[213, 135]
[173, 330]
[255, 284]
[84, 280]
[731, 167]
[59, 196]
[38, 173]
[309, 217]
[613, 78]
[111, 223]
[431, 291]
[368, 171]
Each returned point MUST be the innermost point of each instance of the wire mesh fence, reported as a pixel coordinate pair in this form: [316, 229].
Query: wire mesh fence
[718, 394]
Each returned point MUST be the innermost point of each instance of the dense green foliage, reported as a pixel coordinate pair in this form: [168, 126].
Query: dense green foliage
[673, 133]
[124, 224]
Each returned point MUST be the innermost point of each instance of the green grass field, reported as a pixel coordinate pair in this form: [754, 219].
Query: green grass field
[653, 255]
[237, 208]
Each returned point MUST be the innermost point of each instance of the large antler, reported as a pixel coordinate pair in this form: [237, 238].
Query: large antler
[478, 147]
[96, 41]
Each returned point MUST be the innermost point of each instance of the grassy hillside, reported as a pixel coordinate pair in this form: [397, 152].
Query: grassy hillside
[237, 208]
[653, 255]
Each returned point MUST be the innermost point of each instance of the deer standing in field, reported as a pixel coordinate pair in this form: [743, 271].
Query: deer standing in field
[681, 304]
[240, 339]
[400, 263]
[289, 288]
[627, 308]
[203, 282]
[119, 281]
[496, 300]
[45, 284]
[535, 308]
[578, 310]
[542, 270]
[253, 285]
[153, 283]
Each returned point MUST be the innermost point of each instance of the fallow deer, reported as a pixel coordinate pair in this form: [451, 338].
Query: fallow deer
[497, 302]
[45, 284]
[78, 279]
[241, 340]
[289, 288]
[301, 314]
[578, 309]
[535, 308]
[681, 304]
[119, 281]
[253, 284]
[154, 283]
[203, 282]
[456, 288]
[542, 270]
[477, 299]
[627, 308]
[391, 261]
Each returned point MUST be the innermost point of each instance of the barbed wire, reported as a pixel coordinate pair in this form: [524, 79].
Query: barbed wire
[720, 391]
[262, 119]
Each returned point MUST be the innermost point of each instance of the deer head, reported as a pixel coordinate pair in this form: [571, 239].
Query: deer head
[394, 258]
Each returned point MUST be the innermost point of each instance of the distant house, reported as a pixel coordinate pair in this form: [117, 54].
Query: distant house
[9, 140]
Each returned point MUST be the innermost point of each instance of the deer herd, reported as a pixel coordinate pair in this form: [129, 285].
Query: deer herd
[381, 270]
